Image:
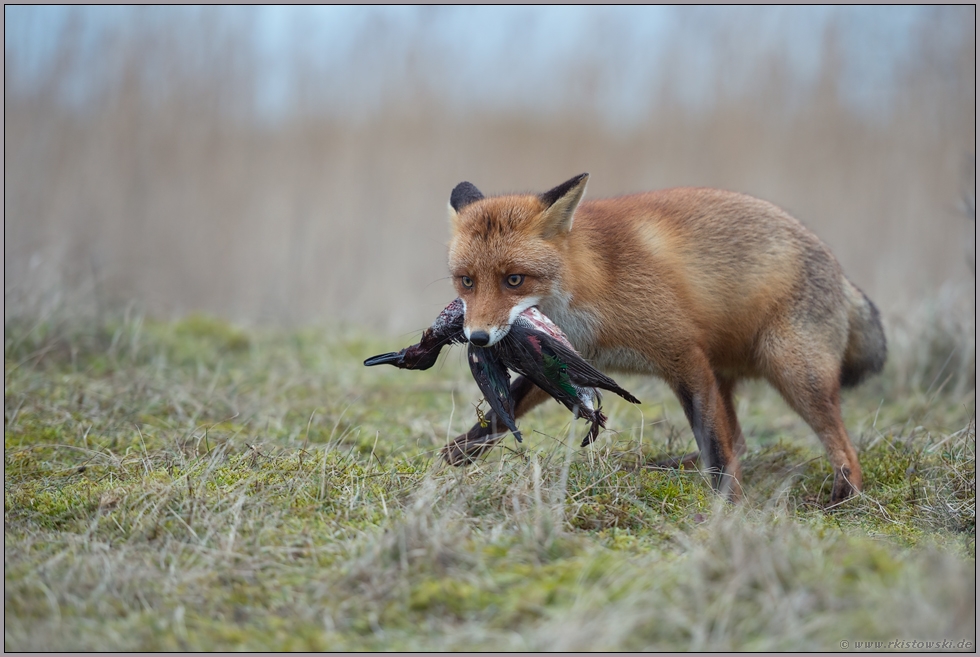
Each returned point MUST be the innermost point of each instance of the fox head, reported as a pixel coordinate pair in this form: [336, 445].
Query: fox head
[506, 252]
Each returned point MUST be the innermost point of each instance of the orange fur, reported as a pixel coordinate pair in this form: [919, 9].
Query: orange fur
[701, 287]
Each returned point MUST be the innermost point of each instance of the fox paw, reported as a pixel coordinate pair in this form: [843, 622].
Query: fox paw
[465, 449]
[843, 487]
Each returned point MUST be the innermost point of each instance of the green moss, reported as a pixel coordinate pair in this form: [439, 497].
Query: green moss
[194, 486]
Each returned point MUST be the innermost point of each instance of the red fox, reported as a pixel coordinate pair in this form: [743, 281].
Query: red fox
[698, 286]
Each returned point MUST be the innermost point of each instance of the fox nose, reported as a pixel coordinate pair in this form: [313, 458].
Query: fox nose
[480, 338]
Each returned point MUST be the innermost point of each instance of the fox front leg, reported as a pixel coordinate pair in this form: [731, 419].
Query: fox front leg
[467, 447]
[703, 402]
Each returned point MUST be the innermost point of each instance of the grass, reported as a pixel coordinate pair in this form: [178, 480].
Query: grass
[195, 486]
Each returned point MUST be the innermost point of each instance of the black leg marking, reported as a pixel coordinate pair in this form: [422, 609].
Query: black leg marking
[467, 447]
[707, 439]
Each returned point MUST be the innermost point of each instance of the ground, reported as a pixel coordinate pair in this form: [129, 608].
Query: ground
[196, 486]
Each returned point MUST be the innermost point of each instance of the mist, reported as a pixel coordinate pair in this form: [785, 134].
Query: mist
[293, 167]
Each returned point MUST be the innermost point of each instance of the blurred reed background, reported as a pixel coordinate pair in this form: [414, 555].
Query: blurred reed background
[293, 165]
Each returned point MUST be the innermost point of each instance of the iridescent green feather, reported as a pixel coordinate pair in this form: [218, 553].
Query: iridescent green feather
[555, 371]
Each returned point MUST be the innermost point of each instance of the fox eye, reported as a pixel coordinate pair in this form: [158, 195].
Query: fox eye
[515, 280]
[467, 281]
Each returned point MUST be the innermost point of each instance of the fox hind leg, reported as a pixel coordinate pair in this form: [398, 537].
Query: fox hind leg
[809, 381]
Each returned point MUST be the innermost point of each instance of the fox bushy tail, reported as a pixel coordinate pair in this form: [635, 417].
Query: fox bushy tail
[866, 347]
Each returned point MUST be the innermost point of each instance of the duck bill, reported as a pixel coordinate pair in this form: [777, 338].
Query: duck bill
[396, 358]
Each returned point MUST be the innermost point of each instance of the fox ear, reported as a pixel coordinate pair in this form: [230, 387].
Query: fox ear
[463, 194]
[561, 203]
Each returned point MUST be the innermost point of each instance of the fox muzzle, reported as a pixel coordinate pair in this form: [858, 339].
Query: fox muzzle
[480, 338]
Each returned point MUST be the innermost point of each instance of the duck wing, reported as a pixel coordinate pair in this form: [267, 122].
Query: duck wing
[491, 375]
